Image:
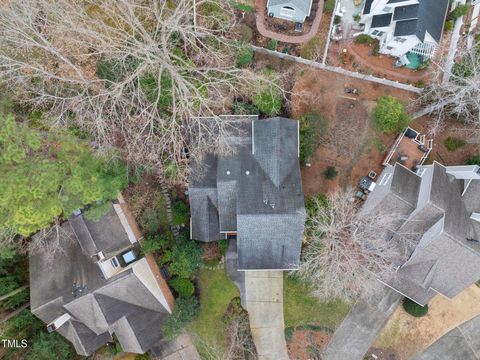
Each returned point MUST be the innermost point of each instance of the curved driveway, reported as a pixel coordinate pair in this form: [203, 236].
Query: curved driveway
[461, 343]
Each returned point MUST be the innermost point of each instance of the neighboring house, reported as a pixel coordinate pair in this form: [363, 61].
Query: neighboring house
[404, 26]
[439, 213]
[293, 10]
[254, 194]
[98, 285]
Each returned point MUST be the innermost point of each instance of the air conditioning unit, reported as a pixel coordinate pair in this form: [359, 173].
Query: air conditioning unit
[270, 14]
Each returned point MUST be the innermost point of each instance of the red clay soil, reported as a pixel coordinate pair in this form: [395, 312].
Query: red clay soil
[349, 145]
[352, 145]
[304, 341]
[262, 20]
[359, 58]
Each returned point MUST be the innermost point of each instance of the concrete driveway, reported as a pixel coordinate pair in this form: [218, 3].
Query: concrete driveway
[264, 301]
[261, 293]
[462, 343]
[362, 325]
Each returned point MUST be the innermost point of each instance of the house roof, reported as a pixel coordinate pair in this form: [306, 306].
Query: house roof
[302, 5]
[442, 259]
[258, 194]
[405, 12]
[381, 20]
[98, 310]
[406, 27]
[418, 19]
[367, 7]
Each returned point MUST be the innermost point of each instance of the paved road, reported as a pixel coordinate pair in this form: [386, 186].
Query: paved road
[362, 326]
[462, 343]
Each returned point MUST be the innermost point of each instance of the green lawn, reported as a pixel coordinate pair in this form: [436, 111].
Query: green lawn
[216, 292]
[301, 308]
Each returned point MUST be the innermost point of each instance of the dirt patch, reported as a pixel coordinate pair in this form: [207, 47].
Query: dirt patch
[307, 344]
[406, 335]
[351, 145]
[362, 58]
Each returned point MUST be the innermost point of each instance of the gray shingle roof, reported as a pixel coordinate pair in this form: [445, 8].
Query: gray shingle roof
[259, 195]
[405, 12]
[367, 7]
[426, 16]
[442, 259]
[407, 27]
[104, 302]
[303, 5]
[381, 20]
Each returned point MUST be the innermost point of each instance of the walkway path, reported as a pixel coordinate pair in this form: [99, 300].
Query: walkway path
[462, 343]
[362, 325]
[338, 70]
[261, 6]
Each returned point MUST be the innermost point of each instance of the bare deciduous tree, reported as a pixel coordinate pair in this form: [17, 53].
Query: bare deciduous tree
[347, 247]
[459, 97]
[240, 344]
[133, 73]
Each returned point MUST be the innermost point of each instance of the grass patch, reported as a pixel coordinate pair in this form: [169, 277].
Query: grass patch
[301, 308]
[389, 336]
[453, 143]
[242, 7]
[216, 292]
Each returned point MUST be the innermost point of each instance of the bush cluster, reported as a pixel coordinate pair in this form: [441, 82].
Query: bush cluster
[414, 309]
[390, 115]
[453, 143]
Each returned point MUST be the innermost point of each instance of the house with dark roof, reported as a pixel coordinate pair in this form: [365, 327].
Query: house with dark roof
[253, 195]
[404, 26]
[293, 10]
[99, 285]
[439, 214]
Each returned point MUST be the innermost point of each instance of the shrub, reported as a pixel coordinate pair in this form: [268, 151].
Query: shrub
[185, 257]
[156, 243]
[183, 287]
[330, 173]
[149, 221]
[49, 344]
[312, 126]
[414, 309]
[241, 7]
[474, 160]
[180, 213]
[459, 11]
[337, 19]
[390, 115]
[453, 143]
[272, 44]
[223, 246]
[364, 39]
[243, 33]
[244, 55]
[449, 25]
[268, 102]
[329, 6]
[185, 310]
[243, 108]
[356, 18]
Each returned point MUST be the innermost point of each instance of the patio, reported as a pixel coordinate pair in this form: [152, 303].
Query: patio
[411, 149]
